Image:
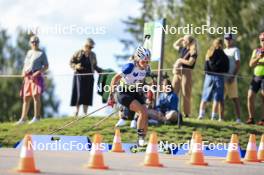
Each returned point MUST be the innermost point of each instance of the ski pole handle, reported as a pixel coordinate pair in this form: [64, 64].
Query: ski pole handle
[146, 37]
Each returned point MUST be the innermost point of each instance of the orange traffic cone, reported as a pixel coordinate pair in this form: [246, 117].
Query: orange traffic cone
[233, 155]
[117, 144]
[197, 157]
[26, 162]
[97, 159]
[192, 142]
[251, 154]
[152, 157]
[261, 149]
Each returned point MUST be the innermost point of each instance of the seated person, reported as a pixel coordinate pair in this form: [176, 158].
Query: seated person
[166, 110]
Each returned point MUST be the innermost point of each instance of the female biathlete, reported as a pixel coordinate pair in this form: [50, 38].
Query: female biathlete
[128, 83]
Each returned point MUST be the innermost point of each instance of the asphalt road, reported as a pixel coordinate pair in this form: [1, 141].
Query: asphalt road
[73, 163]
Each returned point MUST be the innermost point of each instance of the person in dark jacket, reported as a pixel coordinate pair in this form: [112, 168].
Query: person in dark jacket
[182, 70]
[216, 65]
[84, 63]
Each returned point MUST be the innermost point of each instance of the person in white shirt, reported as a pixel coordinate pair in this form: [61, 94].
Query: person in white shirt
[231, 86]
[35, 65]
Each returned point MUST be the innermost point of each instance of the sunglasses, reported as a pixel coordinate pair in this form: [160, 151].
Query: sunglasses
[144, 62]
[34, 42]
[89, 47]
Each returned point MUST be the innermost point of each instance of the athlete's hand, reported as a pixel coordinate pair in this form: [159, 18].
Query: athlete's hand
[111, 102]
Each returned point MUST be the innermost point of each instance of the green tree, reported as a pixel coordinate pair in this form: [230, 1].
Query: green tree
[246, 15]
[11, 63]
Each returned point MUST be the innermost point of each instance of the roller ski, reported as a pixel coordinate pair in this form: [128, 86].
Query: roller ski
[141, 148]
[141, 145]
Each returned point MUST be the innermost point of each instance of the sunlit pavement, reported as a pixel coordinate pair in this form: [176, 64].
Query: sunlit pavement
[62, 163]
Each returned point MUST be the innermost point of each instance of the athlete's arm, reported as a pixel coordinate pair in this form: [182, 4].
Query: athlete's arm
[189, 62]
[254, 59]
[231, 78]
[253, 62]
[237, 67]
[237, 58]
[126, 69]
[114, 82]
[178, 44]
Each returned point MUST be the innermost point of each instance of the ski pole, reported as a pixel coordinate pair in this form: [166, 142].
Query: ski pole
[101, 121]
[73, 121]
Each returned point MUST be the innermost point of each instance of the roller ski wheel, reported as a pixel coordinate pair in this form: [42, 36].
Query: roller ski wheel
[136, 148]
[140, 149]
[167, 151]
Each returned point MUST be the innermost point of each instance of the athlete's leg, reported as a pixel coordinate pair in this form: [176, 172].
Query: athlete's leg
[142, 121]
[251, 104]
[262, 96]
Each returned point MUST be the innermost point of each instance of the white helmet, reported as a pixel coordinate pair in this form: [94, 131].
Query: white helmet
[143, 53]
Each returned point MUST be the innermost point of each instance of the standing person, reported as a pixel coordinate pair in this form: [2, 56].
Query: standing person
[216, 64]
[182, 79]
[35, 64]
[231, 88]
[257, 82]
[83, 62]
[128, 92]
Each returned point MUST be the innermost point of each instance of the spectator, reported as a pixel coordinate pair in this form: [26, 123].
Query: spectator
[216, 64]
[182, 80]
[231, 89]
[36, 63]
[84, 63]
[257, 82]
[166, 110]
